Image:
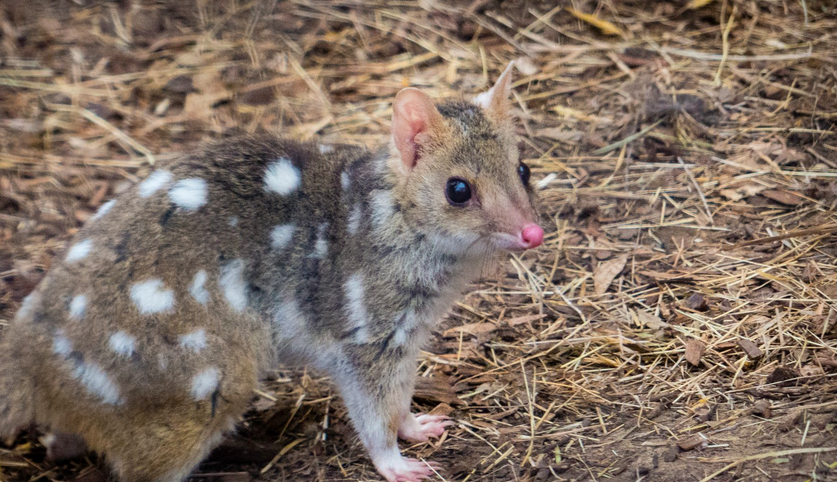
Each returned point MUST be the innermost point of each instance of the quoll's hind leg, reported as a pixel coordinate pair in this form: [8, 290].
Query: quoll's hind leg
[378, 398]
[164, 440]
[168, 444]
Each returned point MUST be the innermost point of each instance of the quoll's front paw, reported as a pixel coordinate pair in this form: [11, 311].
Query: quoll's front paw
[421, 427]
[405, 469]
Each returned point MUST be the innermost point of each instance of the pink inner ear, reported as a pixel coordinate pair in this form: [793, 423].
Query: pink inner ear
[412, 113]
[405, 131]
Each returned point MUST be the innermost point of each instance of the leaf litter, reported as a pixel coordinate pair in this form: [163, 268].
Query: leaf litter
[686, 151]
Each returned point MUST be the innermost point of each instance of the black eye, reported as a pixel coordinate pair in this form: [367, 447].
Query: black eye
[524, 173]
[457, 191]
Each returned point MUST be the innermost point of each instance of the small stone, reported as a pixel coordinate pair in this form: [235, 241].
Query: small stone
[782, 377]
[697, 302]
[670, 455]
[762, 407]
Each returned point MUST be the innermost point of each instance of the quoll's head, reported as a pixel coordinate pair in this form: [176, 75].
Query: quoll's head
[460, 172]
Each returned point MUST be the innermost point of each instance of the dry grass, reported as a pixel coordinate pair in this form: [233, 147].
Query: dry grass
[678, 324]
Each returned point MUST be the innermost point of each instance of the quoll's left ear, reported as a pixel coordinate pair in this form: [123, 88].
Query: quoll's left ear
[495, 101]
[414, 116]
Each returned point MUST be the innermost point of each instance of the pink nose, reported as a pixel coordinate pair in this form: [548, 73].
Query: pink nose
[532, 236]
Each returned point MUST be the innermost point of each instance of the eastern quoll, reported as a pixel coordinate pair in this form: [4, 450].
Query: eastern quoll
[148, 338]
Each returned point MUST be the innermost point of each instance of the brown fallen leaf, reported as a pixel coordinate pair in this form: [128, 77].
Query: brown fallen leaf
[741, 191]
[524, 319]
[651, 320]
[694, 350]
[605, 273]
[606, 27]
[750, 348]
[441, 409]
[436, 389]
[783, 197]
[470, 329]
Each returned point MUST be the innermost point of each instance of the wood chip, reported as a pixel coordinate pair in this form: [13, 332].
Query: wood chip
[784, 197]
[749, 347]
[694, 350]
[691, 443]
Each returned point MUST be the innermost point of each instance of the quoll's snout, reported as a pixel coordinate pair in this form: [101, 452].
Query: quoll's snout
[531, 236]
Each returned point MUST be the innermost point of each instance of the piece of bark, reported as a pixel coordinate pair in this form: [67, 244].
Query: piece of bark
[750, 348]
[691, 443]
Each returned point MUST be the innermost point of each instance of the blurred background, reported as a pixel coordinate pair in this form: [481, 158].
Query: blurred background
[679, 321]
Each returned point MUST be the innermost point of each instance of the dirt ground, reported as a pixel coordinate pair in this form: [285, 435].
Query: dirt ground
[679, 323]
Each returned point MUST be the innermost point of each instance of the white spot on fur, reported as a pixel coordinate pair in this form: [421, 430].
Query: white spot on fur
[94, 379]
[345, 181]
[97, 382]
[289, 318]
[282, 177]
[61, 345]
[153, 183]
[321, 246]
[232, 284]
[189, 194]
[195, 340]
[197, 288]
[400, 336]
[233, 221]
[122, 343]
[27, 306]
[104, 208]
[281, 235]
[383, 207]
[325, 148]
[355, 217]
[151, 296]
[48, 439]
[357, 315]
[79, 250]
[78, 306]
[205, 382]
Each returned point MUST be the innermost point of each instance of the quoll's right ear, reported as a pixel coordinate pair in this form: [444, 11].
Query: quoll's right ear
[414, 115]
[495, 101]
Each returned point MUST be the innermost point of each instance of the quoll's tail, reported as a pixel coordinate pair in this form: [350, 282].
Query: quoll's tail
[14, 407]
